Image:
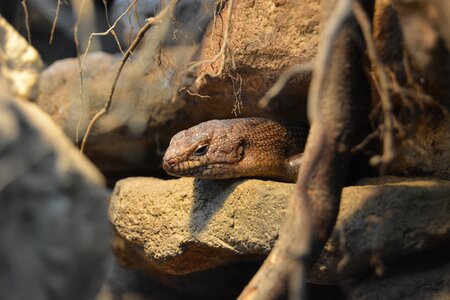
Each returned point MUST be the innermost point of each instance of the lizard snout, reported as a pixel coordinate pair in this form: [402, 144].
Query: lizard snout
[168, 164]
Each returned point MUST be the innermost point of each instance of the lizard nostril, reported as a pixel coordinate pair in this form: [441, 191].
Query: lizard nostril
[169, 163]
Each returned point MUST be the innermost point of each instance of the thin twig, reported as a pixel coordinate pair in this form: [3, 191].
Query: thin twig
[80, 69]
[193, 65]
[113, 33]
[27, 20]
[149, 23]
[237, 94]
[282, 80]
[219, 54]
[194, 94]
[372, 136]
[55, 20]
[108, 31]
[389, 150]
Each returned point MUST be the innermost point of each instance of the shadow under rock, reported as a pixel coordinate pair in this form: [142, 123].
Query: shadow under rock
[403, 216]
[209, 197]
[221, 283]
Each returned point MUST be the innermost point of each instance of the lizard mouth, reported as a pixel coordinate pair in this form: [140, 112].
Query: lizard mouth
[195, 168]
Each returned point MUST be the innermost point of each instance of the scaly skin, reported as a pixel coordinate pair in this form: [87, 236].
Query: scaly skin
[243, 147]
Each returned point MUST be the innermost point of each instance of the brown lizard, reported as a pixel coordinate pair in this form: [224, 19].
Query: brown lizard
[242, 147]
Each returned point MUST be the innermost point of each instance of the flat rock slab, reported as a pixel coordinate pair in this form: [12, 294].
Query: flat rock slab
[186, 225]
[189, 225]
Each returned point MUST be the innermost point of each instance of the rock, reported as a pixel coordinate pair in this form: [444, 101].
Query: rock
[54, 233]
[429, 51]
[133, 285]
[415, 281]
[428, 154]
[265, 37]
[182, 226]
[20, 63]
[129, 138]
[185, 225]
[386, 219]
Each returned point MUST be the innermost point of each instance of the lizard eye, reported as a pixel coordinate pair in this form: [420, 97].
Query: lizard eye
[201, 150]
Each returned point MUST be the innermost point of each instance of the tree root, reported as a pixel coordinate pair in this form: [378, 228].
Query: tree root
[339, 108]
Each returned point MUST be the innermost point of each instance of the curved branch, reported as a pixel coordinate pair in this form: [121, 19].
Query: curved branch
[339, 122]
[149, 23]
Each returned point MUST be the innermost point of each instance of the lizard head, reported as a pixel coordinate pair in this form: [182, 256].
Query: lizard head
[208, 150]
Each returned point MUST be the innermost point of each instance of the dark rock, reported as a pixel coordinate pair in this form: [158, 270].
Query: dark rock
[416, 279]
[54, 233]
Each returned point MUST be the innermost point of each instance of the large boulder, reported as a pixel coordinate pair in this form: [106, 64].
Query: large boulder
[186, 225]
[54, 233]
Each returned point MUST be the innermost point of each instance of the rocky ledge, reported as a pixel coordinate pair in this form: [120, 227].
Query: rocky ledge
[186, 225]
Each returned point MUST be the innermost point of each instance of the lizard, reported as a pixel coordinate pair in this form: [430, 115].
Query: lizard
[240, 147]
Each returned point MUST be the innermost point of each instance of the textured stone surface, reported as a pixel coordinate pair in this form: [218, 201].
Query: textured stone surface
[428, 154]
[385, 219]
[54, 233]
[185, 225]
[265, 37]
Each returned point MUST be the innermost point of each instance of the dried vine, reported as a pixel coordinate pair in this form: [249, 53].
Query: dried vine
[168, 10]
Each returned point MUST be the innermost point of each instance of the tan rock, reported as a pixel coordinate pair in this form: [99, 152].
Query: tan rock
[265, 37]
[416, 61]
[20, 63]
[129, 138]
[185, 225]
[181, 226]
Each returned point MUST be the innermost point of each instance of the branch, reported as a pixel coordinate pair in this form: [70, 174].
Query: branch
[302, 237]
[27, 20]
[383, 84]
[55, 20]
[149, 23]
[218, 54]
[282, 80]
